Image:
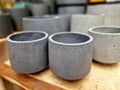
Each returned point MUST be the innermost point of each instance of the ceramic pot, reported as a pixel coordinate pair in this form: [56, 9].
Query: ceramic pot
[106, 44]
[71, 10]
[71, 2]
[5, 25]
[47, 24]
[64, 21]
[70, 54]
[111, 12]
[82, 23]
[28, 51]
[17, 14]
[38, 9]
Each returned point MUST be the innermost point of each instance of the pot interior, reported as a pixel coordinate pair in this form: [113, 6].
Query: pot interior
[106, 30]
[70, 38]
[27, 36]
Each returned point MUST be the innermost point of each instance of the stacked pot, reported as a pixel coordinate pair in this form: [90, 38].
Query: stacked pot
[71, 6]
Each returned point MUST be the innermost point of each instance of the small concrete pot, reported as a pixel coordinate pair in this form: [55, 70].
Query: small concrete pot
[28, 51]
[70, 54]
[48, 24]
[111, 12]
[82, 23]
[71, 10]
[64, 21]
[38, 9]
[106, 44]
[17, 14]
[71, 2]
[5, 25]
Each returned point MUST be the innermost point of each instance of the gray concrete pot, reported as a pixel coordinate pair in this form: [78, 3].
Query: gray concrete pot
[71, 2]
[48, 24]
[64, 21]
[38, 9]
[71, 10]
[106, 44]
[28, 51]
[17, 14]
[82, 23]
[111, 11]
[5, 25]
[70, 54]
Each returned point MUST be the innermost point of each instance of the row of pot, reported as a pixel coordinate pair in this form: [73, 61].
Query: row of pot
[69, 54]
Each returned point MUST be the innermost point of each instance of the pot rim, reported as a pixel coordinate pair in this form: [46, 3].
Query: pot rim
[103, 33]
[73, 44]
[36, 40]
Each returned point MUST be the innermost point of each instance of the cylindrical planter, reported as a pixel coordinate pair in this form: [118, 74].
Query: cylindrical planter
[47, 24]
[71, 2]
[71, 10]
[82, 23]
[38, 9]
[64, 21]
[28, 51]
[70, 54]
[111, 12]
[106, 44]
[5, 25]
[17, 14]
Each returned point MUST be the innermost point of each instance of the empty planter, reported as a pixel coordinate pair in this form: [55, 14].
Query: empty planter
[106, 44]
[43, 23]
[111, 12]
[82, 23]
[5, 25]
[70, 54]
[71, 2]
[71, 10]
[28, 51]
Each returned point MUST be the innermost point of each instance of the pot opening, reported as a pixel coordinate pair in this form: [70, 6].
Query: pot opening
[106, 30]
[28, 36]
[70, 38]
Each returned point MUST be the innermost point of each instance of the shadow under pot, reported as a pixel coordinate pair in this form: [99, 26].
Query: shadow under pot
[106, 44]
[70, 54]
[42, 23]
[70, 10]
[28, 51]
[71, 2]
[5, 25]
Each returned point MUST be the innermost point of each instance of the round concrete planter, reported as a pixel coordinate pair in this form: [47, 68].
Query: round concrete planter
[5, 25]
[106, 44]
[43, 23]
[82, 23]
[64, 21]
[111, 11]
[28, 51]
[70, 54]
[71, 10]
[71, 2]
[38, 9]
[17, 14]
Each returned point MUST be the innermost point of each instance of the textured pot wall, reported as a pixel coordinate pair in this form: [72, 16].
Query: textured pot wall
[71, 1]
[82, 23]
[111, 11]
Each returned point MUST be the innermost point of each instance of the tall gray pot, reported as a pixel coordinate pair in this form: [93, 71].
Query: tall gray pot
[71, 2]
[28, 51]
[70, 55]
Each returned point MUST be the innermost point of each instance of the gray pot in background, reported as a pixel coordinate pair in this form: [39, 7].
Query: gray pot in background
[71, 2]
[111, 12]
[48, 24]
[82, 23]
[5, 25]
[70, 54]
[28, 51]
[38, 9]
[71, 10]
[64, 21]
[106, 44]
